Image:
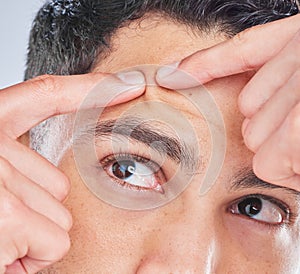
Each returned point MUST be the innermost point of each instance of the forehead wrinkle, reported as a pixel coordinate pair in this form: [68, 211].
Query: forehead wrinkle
[151, 134]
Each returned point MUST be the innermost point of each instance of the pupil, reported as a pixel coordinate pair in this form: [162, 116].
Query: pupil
[120, 169]
[250, 206]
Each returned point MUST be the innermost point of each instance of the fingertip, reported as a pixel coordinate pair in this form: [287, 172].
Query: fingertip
[173, 77]
[251, 138]
[67, 222]
[164, 74]
[114, 89]
[244, 126]
[128, 95]
[63, 187]
[135, 78]
[256, 163]
[262, 170]
[167, 70]
[245, 103]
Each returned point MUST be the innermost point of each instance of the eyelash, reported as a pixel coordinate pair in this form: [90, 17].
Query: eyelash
[106, 161]
[290, 216]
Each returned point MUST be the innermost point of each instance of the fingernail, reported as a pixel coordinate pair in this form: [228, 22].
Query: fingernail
[173, 78]
[167, 70]
[132, 77]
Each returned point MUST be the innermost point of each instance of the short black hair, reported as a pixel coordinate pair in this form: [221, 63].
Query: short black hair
[68, 35]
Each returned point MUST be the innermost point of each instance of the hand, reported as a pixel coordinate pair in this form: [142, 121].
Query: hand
[34, 224]
[270, 101]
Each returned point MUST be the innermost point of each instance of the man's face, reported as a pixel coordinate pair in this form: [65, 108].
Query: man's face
[241, 225]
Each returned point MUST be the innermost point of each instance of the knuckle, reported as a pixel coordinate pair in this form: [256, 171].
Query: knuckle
[241, 38]
[46, 88]
[45, 83]
[9, 207]
[241, 42]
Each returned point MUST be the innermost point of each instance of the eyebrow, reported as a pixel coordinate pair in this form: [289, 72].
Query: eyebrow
[152, 134]
[246, 179]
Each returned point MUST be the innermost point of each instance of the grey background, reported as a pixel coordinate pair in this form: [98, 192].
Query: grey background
[15, 22]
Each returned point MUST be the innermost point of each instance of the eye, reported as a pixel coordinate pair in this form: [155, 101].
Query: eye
[134, 172]
[261, 208]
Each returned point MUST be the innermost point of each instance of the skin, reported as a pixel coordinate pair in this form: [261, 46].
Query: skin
[34, 222]
[260, 49]
[193, 233]
[139, 241]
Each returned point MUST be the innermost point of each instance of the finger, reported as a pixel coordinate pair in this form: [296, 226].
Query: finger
[246, 51]
[25, 105]
[35, 167]
[278, 160]
[28, 235]
[270, 78]
[33, 196]
[272, 114]
[21, 266]
[16, 267]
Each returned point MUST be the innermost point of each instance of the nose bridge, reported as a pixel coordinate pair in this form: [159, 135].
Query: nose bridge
[184, 245]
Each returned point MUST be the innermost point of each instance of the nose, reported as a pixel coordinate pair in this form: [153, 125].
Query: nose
[182, 245]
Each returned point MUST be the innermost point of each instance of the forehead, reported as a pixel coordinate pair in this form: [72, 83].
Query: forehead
[158, 41]
[154, 40]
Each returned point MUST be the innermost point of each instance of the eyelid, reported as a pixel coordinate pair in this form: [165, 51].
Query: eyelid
[106, 161]
[288, 219]
[124, 156]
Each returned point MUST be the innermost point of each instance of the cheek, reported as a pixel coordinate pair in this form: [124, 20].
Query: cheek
[102, 236]
[256, 244]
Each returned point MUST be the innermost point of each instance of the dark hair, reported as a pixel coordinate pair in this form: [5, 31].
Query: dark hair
[68, 35]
